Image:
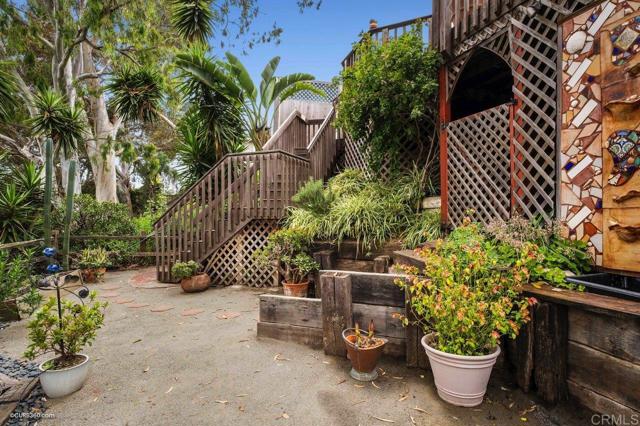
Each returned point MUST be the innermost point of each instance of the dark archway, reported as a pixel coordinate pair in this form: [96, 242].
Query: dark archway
[485, 81]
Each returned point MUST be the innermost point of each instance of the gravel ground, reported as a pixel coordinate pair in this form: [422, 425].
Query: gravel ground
[28, 410]
[166, 358]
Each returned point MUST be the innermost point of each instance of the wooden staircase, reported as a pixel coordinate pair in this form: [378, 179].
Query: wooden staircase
[242, 189]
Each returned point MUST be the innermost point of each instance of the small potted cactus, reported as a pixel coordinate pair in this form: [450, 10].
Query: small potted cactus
[363, 350]
[191, 279]
[93, 264]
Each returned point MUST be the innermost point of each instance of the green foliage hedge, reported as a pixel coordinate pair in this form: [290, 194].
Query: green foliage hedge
[389, 95]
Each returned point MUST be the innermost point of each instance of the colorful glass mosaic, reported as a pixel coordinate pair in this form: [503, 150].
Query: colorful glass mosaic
[626, 41]
[581, 180]
[624, 147]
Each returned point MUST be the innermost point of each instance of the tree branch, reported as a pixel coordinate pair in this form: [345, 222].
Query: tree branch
[20, 150]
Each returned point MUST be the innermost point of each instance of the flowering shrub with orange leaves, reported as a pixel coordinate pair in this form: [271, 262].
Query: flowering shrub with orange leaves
[466, 295]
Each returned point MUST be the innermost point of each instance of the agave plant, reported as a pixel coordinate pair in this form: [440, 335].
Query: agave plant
[16, 214]
[57, 120]
[259, 101]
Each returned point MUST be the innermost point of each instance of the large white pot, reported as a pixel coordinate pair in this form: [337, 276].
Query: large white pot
[461, 380]
[59, 383]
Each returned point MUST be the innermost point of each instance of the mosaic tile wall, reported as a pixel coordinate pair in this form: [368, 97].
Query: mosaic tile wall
[581, 132]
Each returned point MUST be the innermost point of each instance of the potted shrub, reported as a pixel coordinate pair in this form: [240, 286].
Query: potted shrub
[288, 250]
[465, 301]
[191, 280]
[64, 328]
[93, 264]
[17, 291]
[363, 350]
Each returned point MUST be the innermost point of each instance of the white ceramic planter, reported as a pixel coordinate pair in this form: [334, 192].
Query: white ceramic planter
[460, 380]
[59, 383]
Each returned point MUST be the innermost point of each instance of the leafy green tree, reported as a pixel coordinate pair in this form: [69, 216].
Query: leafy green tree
[389, 97]
[258, 101]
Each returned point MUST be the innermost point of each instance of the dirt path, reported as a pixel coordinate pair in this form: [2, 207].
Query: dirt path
[168, 358]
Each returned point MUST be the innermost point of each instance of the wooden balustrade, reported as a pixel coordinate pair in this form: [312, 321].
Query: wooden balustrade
[323, 148]
[390, 32]
[240, 188]
[456, 20]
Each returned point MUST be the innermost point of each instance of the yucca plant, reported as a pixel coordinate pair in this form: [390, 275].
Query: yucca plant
[16, 214]
[57, 120]
[192, 19]
[136, 93]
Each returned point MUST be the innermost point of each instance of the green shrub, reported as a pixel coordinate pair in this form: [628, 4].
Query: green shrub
[182, 270]
[353, 207]
[94, 259]
[424, 227]
[289, 249]
[66, 337]
[17, 280]
[389, 96]
[91, 217]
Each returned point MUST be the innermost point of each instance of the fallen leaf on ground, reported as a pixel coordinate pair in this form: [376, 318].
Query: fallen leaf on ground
[227, 315]
[402, 398]
[397, 377]
[420, 410]
[504, 389]
[170, 389]
[191, 312]
[137, 340]
[524, 419]
[326, 362]
[145, 370]
[279, 357]
[358, 386]
[240, 395]
[528, 410]
[413, 421]
[222, 401]
[374, 385]
[383, 420]
[285, 415]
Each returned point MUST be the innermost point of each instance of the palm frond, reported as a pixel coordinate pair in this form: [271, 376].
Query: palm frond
[8, 91]
[242, 75]
[192, 19]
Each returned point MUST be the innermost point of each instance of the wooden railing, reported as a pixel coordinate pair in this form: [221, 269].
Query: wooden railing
[456, 20]
[240, 188]
[323, 148]
[389, 32]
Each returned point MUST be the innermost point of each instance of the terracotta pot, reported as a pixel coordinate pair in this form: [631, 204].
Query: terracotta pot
[9, 311]
[461, 380]
[296, 290]
[363, 360]
[196, 283]
[92, 275]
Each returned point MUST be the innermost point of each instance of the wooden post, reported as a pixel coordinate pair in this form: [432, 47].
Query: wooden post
[326, 260]
[524, 344]
[381, 264]
[336, 311]
[416, 355]
[550, 352]
[445, 112]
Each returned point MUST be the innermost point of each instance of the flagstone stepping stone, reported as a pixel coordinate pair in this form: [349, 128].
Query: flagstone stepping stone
[137, 305]
[227, 315]
[147, 279]
[191, 312]
[110, 294]
[161, 308]
[110, 287]
[125, 300]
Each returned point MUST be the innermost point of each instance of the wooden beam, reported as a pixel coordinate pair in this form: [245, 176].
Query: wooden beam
[550, 352]
[336, 311]
[308, 336]
[291, 310]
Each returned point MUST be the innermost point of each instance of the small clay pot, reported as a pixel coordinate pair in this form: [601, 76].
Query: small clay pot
[196, 283]
[93, 275]
[363, 360]
[296, 290]
[9, 311]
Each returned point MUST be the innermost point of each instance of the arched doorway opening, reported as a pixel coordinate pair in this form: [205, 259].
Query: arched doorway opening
[486, 81]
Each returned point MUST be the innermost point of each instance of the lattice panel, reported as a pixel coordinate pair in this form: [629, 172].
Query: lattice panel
[499, 44]
[234, 263]
[454, 68]
[482, 35]
[533, 58]
[478, 166]
[410, 155]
